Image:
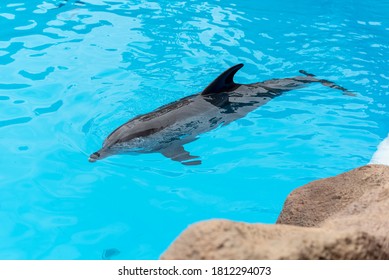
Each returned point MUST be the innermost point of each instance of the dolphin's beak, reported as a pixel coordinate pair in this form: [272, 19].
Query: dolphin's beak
[93, 157]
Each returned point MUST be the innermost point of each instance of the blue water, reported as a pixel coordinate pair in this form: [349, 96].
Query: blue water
[72, 71]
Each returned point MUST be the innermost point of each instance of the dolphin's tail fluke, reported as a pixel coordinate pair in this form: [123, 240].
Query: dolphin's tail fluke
[306, 73]
[329, 83]
[335, 86]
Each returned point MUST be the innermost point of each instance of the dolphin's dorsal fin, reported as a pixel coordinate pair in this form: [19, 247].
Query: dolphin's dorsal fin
[224, 82]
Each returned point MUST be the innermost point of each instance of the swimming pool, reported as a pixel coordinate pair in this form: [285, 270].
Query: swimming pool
[72, 71]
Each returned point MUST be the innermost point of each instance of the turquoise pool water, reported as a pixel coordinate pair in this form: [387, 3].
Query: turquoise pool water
[72, 71]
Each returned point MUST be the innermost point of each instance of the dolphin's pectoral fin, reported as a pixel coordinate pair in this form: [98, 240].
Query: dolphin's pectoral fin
[225, 81]
[178, 153]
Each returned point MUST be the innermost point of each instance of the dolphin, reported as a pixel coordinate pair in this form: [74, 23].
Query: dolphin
[168, 128]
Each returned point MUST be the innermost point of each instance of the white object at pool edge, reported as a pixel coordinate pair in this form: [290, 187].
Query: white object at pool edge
[381, 156]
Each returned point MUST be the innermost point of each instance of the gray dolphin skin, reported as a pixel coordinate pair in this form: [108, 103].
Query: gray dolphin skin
[167, 129]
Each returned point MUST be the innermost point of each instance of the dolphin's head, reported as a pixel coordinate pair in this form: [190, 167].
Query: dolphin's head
[133, 137]
[130, 146]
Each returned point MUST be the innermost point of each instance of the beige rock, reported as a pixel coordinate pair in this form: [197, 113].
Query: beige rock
[343, 217]
[348, 194]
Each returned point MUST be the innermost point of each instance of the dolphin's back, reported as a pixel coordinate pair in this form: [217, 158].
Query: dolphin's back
[169, 115]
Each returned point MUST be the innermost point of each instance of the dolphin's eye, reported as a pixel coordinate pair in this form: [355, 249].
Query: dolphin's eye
[97, 154]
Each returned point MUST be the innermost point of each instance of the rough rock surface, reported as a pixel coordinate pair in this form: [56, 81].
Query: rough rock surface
[342, 217]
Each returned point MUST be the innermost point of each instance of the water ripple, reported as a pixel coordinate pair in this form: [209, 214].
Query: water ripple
[51, 109]
[15, 121]
[37, 76]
